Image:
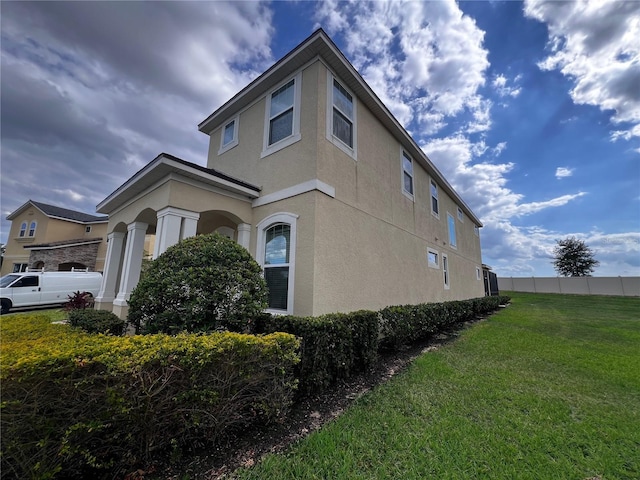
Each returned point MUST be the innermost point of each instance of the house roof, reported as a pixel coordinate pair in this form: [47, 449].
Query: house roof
[164, 165]
[64, 243]
[319, 44]
[53, 211]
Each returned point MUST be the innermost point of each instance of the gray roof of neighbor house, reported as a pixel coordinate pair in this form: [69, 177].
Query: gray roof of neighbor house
[319, 44]
[61, 213]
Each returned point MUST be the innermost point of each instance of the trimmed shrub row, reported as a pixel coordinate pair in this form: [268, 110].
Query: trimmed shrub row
[96, 402]
[333, 347]
[336, 346]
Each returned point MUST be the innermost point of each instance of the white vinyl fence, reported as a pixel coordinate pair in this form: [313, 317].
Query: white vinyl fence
[624, 286]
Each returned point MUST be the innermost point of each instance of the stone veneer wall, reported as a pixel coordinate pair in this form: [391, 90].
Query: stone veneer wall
[84, 254]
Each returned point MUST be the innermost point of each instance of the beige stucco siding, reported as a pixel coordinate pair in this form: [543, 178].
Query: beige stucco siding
[289, 166]
[366, 262]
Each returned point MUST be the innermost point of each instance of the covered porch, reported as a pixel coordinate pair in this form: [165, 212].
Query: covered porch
[168, 200]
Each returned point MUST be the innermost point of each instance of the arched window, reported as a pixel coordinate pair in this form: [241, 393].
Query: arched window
[276, 254]
[23, 229]
[32, 229]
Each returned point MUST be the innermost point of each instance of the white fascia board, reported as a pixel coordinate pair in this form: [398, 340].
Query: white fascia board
[295, 190]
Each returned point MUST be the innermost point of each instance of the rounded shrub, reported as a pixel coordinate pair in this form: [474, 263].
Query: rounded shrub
[201, 284]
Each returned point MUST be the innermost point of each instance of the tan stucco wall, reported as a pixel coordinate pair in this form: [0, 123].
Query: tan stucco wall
[379, 264]
[291, 165]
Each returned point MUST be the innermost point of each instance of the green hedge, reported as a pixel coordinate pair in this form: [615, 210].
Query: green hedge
[333, 347]
[91, 403]
[405, 324]
[97, 321]
[336, 346]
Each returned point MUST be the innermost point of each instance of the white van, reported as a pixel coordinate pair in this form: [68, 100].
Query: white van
[29, 289]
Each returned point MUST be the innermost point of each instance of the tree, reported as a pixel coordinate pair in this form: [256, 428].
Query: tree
[573, 258]
[201, 284]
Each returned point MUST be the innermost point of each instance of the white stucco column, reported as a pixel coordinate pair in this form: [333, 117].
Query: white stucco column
[174, 224]
[156, 243]
[133, 253]
[115, 243]
[189, 225]
[244, 235]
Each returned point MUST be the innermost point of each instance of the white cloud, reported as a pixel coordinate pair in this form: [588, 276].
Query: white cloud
[595, 44]
[499, 83]
[563, 172]
[425, 60]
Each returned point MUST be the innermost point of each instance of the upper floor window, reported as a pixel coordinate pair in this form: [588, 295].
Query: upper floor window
[87, 229]
[281, 113]
[282, 126]
[476, 230]
[229, 136]
[407, 174]
[452, 230]
[434, 199]
[23, 229]
[341, 116]
[460, 214]
[32, 229]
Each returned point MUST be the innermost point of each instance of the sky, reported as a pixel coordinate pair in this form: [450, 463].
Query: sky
[531, 110]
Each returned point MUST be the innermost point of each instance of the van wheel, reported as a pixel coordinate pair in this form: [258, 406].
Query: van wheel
[5, 305]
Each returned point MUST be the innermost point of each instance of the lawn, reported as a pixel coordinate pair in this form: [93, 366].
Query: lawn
[548, 388]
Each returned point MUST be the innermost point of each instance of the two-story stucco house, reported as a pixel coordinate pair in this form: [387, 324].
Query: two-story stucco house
[311, 173]
[54, 238]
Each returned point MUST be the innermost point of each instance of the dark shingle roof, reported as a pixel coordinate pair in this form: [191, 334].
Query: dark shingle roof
[53, 211]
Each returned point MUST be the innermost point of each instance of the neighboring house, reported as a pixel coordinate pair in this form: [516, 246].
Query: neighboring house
[311, 173]
[54, 238]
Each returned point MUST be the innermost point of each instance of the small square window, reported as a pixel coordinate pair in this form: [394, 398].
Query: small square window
[87, 229]
[229, 136]
[433, 258]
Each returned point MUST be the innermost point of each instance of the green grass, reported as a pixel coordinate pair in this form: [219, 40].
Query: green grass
[548, 388]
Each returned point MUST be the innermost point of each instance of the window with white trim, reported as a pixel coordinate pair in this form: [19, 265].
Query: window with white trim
[87, 229]
[434, 199]
[407, 175]
[433, 258]
[478, 274]
[460, 214]
[452, 230]
[276, 254]
[32, 229]
[23, 229]
[445, 271]
[282, 125]
[341, 116]
[229, 136]
[20, 267]
[476, 230]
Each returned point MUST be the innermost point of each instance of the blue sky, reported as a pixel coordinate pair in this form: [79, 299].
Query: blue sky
[531, 110]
